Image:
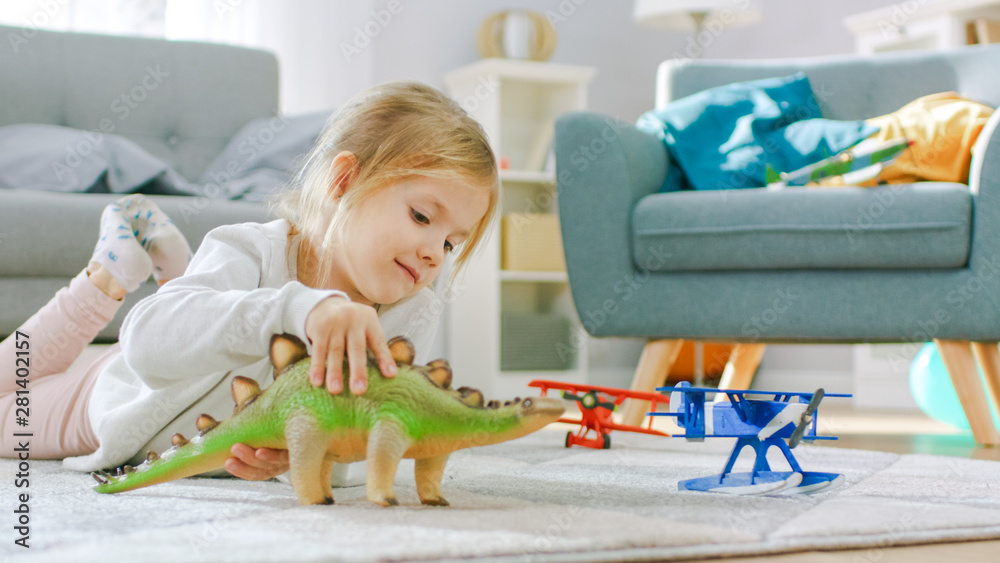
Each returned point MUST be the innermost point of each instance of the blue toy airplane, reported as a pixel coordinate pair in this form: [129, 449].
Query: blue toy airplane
[759, 424]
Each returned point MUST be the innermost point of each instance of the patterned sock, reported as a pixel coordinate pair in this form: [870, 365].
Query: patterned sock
[158, 235]
[119, 251]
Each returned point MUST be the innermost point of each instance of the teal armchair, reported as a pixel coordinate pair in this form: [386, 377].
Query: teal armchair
[899, 263]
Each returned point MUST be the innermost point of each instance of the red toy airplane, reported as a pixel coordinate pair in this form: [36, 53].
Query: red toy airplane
[596, 405]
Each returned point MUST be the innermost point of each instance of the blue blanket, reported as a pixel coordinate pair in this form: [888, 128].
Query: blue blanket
[61, 159]
[725, 137]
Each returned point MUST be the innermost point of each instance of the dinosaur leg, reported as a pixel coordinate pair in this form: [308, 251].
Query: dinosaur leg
[429, 471]
[325, 471]
[306, 455]
[386, 445]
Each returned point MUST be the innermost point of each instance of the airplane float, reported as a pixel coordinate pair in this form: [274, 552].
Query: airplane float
[759, 424]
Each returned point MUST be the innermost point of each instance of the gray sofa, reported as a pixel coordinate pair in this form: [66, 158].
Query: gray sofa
[182, 102]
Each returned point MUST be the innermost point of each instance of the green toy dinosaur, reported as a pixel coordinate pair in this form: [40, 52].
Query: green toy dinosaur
[413, 415]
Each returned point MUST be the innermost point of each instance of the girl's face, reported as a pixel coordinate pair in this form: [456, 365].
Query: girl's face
[393, 244]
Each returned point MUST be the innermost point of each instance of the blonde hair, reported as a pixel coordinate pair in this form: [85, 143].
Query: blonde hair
[395, 131]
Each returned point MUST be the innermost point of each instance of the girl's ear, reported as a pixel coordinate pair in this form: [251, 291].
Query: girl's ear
[345, 167]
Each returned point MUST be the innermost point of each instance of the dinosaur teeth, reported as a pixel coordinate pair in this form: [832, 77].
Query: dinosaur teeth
[99, 478]
[402, 350]
[129, 469]
[205, 423]
[493, 404]
[152, 456]
[178, 440]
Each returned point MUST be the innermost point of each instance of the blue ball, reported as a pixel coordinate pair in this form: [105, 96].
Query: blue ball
[932, 388]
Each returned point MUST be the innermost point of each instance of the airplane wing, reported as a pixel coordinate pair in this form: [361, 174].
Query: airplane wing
[619, 394]
[778, 395]
[768, 415]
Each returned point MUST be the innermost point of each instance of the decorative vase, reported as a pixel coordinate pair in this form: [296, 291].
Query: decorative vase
[517, 34]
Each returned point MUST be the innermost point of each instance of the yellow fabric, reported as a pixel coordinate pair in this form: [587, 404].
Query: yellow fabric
[943, 128]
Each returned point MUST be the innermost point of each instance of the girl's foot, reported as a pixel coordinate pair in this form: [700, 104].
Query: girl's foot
[118, 251]
[158, 235]
[137, 239]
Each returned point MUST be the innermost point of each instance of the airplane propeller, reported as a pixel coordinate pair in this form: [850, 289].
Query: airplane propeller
[589, 400]
[806, 420]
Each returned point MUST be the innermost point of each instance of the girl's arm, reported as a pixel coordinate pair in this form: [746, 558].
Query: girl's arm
[217, 317]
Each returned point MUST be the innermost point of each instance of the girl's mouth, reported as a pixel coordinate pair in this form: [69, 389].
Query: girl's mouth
[409, 271]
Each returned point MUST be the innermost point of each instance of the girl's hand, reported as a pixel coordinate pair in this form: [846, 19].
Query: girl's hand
[256, 465]
[337, 327]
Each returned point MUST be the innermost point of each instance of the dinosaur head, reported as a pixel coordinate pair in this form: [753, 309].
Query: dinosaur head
[524, 416]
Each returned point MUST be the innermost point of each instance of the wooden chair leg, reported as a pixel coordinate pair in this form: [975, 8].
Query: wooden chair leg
[740, 368]
[989, 360]
[654, 365]
[958, 359]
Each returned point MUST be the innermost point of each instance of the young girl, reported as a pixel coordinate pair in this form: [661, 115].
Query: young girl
[400, 178]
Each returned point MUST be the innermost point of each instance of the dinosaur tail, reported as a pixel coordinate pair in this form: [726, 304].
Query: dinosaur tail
[175, 464]
[205, 452]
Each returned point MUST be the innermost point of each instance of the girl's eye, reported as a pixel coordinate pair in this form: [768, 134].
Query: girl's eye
[424, 220]
[419, 217]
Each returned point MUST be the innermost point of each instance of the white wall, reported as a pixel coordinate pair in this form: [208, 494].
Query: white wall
[431, 37]
[332, 48]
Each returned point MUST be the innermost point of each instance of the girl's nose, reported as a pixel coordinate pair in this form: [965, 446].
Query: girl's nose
[432, 251]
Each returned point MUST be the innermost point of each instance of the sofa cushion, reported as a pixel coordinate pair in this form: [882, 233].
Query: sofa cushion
[748, 125]
[923, 225]
[262, 156]
[37, 156]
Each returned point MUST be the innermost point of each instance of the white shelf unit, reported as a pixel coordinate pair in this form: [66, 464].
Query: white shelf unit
[517, 102]
[918, 25]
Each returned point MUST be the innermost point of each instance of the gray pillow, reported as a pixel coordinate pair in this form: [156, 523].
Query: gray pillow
[262, 156]
[62, 159]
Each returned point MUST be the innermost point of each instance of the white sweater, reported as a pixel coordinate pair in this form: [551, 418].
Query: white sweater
[182, 346]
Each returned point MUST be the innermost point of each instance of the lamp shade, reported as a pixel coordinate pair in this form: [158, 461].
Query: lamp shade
[685, 14]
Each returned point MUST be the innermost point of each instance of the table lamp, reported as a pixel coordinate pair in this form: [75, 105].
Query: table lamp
[703, 16]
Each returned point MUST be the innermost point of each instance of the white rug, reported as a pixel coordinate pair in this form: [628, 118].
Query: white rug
[527, 500]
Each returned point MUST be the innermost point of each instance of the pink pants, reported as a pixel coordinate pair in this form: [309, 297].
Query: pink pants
[58, 395]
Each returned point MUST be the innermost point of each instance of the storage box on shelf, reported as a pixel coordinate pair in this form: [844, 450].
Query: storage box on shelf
[531, 241]
[511, 318]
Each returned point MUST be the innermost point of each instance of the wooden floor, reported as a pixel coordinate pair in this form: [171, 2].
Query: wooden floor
[902, 433]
